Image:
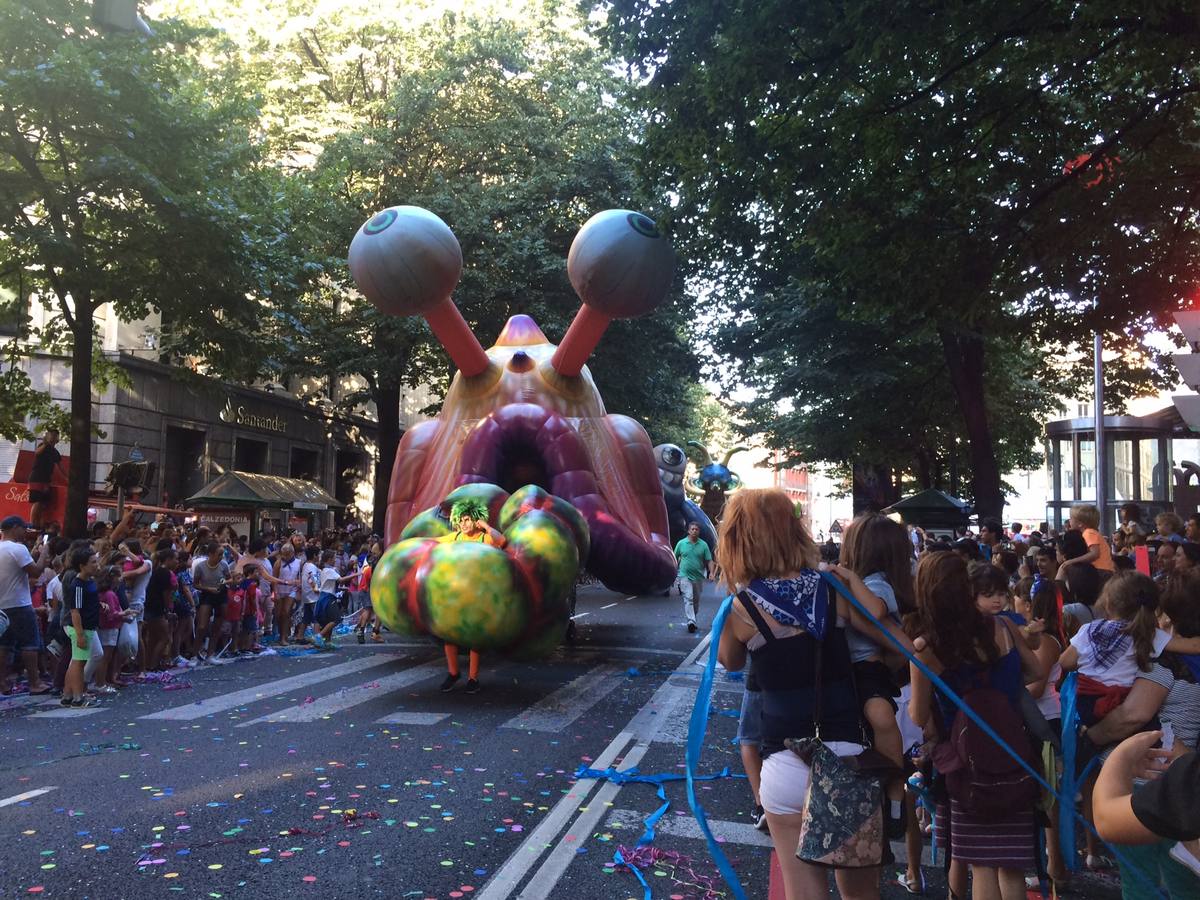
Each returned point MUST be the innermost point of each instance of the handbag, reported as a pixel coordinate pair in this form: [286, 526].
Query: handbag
[843, 826]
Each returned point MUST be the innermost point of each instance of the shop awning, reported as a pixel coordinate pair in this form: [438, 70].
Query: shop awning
[931, 507]
[270, 491]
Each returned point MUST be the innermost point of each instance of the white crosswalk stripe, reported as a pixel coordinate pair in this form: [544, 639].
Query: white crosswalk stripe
[350, 697]
[572, 700]
[223, 702]
[412, 718]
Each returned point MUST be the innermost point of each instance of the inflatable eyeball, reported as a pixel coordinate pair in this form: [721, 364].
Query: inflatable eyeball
[471, 594]
[405, 260]
[620, 264]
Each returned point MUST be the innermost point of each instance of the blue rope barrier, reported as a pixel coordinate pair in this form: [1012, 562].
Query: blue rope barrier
[697, 726]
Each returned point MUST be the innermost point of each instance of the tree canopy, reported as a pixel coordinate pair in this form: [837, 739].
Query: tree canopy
[131, 174]
[508, 125]
[978, 170]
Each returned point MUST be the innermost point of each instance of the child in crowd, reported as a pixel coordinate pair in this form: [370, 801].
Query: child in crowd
[879, 551]
[81, 624]
[310, 591]
[366, 612]
[185, 611]
[1108, 652]
[112, 617]
[248, 589]
[327, 613]
[1086, 519]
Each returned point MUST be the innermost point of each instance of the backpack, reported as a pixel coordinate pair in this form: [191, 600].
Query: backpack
[980, 774]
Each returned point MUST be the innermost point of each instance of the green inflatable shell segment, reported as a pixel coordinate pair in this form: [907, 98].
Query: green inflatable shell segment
[532, 497]
[430, 523]
[394, 577]
[473, 597]
[472, 594]
[544, 547]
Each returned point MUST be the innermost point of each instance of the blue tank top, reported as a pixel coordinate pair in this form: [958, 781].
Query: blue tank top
[1003, 675]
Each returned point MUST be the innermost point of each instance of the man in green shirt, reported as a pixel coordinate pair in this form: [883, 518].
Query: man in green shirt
[695, 560]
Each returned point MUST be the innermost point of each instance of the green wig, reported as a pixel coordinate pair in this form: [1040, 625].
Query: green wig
[470, 507]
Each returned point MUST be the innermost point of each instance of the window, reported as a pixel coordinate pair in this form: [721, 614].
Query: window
[250, 455]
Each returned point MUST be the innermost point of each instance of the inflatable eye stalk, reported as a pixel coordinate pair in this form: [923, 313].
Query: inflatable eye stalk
[406, 261]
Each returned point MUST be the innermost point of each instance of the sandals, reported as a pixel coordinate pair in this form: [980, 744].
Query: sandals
[914, 885]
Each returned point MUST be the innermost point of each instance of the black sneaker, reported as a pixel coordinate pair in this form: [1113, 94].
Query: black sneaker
[691, 627]
[472, 686]
[362, 637]
[448, 684]
[759, 818]
[893, 825]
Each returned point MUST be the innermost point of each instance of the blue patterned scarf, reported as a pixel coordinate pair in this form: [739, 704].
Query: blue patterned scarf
[800, 602]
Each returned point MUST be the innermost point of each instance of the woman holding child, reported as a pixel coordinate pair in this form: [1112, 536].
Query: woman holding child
[787, 618]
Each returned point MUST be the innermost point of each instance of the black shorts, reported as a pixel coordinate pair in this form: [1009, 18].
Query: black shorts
[216, 601]
[40, 496]
[873, 679]
[23, 633]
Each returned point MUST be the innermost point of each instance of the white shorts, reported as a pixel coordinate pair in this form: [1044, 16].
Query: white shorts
[784, 786]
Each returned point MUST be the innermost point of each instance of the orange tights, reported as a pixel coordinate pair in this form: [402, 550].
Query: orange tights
[452, 662]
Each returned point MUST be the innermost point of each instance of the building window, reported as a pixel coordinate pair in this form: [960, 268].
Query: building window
[305, 464]
[250, 455]
[183, 464]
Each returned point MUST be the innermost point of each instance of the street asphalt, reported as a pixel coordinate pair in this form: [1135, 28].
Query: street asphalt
[349, 774]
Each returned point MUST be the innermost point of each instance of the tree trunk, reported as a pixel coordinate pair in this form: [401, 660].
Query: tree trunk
[965, 360]
[387, 408]
[79, 472]
[924, 469]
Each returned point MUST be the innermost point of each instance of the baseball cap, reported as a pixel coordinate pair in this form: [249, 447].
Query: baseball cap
[14, 522]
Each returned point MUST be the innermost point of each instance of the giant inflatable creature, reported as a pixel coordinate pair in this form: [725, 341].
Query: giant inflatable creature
[672, 469]
[714, 481]
[522, 414]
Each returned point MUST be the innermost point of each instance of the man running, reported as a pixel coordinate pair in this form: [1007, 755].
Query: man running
[469, 518]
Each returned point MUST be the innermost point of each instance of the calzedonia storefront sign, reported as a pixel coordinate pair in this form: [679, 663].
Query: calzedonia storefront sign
[239, 415]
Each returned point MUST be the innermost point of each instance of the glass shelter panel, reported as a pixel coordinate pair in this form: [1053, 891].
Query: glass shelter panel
[1121, 473]
[1066, 468]
[1087, 470]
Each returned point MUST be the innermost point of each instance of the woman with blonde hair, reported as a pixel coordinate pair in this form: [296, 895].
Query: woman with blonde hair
[786, 619]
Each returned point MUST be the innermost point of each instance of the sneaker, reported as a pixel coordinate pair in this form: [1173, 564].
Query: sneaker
[473, 686]
[377, 637]
[83, 702]
[105, 689]
[362, 637]
[759, 818]
[448, 684]
[691, 627]
[181, 662]
[67, 701]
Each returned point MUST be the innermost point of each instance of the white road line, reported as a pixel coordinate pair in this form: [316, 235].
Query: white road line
[686, 827]
[610, 606]
[22, 700]
[412, 718]
[351, 696]
[526, 856]
[613, 648]
[223, 702]
[558, 710]
[579, 615]
[67, 712]
[28, 795]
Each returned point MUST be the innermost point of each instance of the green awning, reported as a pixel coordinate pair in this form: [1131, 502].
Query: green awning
[270, 491]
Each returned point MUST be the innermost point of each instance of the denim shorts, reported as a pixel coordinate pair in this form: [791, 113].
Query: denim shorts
[750, 721]
[23, 632]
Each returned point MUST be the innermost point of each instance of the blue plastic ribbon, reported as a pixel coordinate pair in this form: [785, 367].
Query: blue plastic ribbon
[697, 726]
[620, 860]
[1063, 804]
